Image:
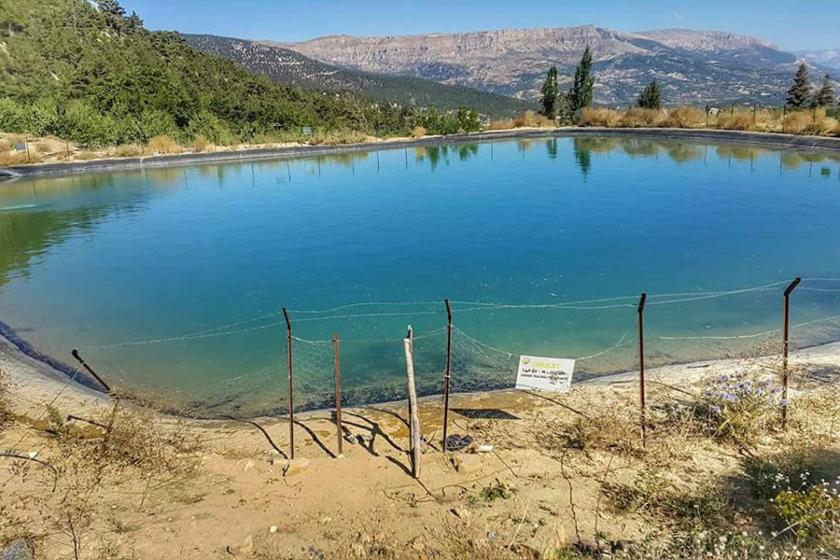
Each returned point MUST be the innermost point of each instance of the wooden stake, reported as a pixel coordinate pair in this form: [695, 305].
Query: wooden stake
[337, 367]
[414, 418]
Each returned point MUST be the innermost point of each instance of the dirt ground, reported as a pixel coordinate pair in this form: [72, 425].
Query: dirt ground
[541, 478]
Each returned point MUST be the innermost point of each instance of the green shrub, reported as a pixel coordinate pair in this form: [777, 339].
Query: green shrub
[810, 512]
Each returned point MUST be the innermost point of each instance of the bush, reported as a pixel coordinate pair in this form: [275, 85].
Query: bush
[200, 144]
[418, 132]
[163, 145]
[810, 512]
[128, 150]
[685, 117]
[591, 116]
[740, 409]
[504, 124]
[797, 123]
[531, 119]
[638, 117]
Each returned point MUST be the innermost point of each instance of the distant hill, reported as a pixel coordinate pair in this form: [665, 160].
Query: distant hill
[694, 67]
[829, 58]
[292, 68]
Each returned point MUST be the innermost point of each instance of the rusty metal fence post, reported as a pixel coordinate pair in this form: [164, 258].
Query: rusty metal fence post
[291, 386]
[642, 413]
[448, 375]
[84, 364]
[337, 367]
[785, 348]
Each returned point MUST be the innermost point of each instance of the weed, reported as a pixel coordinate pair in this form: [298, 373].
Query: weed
[128, 150]
[163, 144]
[497, 490]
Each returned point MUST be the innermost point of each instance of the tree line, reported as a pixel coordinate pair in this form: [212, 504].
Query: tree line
[564, 105]
[91, 73]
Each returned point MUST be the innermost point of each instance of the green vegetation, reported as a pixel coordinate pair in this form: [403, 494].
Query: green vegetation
[580, 95]
[824, 97]
[651, 97]
[94, 75]
[800, 92]
[550, 91]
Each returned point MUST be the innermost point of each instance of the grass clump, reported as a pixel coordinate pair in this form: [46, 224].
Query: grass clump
[163, 144]
[497, 490]
[128, 150]
[685, 117]
[592, 116]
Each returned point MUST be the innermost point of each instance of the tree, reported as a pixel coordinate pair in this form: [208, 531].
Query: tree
[824, 97]
[550, 91]
[651, 97]
[581, 93]
[800, 92]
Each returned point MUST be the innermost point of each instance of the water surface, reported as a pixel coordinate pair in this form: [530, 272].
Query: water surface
[171, 280]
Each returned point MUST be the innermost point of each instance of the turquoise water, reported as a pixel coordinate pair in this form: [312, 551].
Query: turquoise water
[171, 280]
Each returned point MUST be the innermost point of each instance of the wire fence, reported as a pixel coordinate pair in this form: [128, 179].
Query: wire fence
[488, 339]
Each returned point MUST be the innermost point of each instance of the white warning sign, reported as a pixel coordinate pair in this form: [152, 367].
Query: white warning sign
[545, 374]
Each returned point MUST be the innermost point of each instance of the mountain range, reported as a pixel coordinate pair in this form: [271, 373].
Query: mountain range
[289, 67]
[693, 67]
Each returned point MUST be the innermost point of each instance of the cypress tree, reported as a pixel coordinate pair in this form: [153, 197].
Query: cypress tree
[824, 97]
[581, 93]
[800, 92]
[550, 92]
[651, 97]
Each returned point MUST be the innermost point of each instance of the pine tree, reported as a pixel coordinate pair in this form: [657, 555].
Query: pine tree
[550, 91]
[824, 97]
[581, 93]
[651, 97]
[800, 92]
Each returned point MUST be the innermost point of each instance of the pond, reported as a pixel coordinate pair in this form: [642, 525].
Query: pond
[170, 281]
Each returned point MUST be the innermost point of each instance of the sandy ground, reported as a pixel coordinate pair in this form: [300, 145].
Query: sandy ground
[238, 495]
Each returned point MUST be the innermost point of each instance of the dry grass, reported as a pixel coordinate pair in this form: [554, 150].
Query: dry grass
[528, 119]
[744, 119]
[163, 144]
[591, 116]
[685, 117]
[18, 158]
[128, 150]
[638, 117]
[201, 144]
[5, 411]
[418, 132]
[337, 137]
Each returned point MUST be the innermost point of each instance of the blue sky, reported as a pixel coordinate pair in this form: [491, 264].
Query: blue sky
[806, 24]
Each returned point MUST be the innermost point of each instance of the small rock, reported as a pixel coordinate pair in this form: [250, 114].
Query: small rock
[326, 520]
[593, 547]
[248, 466]
[272, 529]
[484, 448]
[295, 466]
[466, 464]
[20, 549]
[315, 553]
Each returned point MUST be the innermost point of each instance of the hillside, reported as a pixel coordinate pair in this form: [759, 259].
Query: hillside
[106, 80]
[830, 58]
[288, 67]
[694, 67]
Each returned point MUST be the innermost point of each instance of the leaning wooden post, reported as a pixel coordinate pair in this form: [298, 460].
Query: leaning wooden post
[90, 371]
[642, 418]
[337, 367]
[785, 348]
[414, 418]
[448, 375]
[291, 386]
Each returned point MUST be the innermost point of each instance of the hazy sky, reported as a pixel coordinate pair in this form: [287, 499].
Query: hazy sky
[792, 25]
